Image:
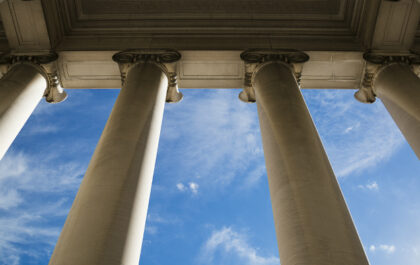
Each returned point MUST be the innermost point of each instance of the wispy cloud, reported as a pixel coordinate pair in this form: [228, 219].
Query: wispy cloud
[373, 186]
[41, 129]
[356, 136]
[389, 249]
[38, 191]
[416, 250]
[213, 135]
[154, 221]
[181, 187]
[217, 137]
[192, 187]
[227, 242]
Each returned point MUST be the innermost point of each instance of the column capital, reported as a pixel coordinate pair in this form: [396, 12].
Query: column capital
[375, 63]
[165, 59]
[255, 59]
[45, 63]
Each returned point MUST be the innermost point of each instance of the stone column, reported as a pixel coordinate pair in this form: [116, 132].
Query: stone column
[393, 81]
[313, 224]
[106, 222]
[21, 89]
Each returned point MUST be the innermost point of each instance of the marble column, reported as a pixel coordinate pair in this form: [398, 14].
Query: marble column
[21, 89]
[399, 90]
[106, 222]
[312, 221]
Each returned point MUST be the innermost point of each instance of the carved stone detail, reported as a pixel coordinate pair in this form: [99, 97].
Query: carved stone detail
[165, 59]
[255, 58]
[46, 64]
[375, 62]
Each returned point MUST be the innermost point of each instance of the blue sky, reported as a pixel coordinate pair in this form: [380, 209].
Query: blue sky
[210, 203]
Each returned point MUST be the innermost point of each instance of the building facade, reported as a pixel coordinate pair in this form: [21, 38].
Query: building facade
[269, 49]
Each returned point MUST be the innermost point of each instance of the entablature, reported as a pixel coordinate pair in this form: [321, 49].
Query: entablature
[211, 69]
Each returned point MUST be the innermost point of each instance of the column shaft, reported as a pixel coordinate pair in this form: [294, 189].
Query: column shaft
[106, 222]
[399, 89]
[21, 89]
[313, 224]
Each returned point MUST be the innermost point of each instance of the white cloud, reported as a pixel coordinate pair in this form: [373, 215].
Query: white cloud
[356, 136]
[212, 135]
[372, 248]
[158, 219]
[154, 221]
[218, 137]
[34, 190]
[41, 129]
[416, 250]
[9, 198]
[193, 187]
[151, 229]
[39, 174]
[370, 186]
[231, 243]
[389, 249]
[28, 227]
[180, 187]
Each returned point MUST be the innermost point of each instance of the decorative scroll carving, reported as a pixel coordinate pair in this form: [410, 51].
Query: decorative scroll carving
[46, 64]
[255, 58]
[165, 59]
[375, 62]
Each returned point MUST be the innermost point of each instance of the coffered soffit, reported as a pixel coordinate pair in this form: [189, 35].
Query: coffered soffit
[192, 24]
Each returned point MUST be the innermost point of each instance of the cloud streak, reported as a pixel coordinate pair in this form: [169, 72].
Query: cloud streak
[33, 193]
[227, 242]
[389, 249]
[373, 186]
[356, 136]
[213, 135]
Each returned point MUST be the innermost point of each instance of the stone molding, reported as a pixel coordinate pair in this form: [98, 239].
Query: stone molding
[45, 63]
[165, 59]
[375, 63]
[255, 59]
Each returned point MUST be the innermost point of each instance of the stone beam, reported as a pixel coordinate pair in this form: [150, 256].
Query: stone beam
[211, 69]
[25, 26]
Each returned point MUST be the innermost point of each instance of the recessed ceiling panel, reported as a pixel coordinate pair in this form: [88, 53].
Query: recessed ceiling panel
[208, 24]
[245, 8]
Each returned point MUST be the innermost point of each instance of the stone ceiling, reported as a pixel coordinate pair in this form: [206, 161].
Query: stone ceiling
[199, 24]
[318, 25]
[417, 44]
[3, 39]
[243, 8]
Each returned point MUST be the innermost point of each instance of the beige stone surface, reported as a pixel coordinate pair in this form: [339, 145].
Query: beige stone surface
[313, 224]
[399, 89]
[106, 222]
[334, 25]
[21, 89]
[211, 69]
